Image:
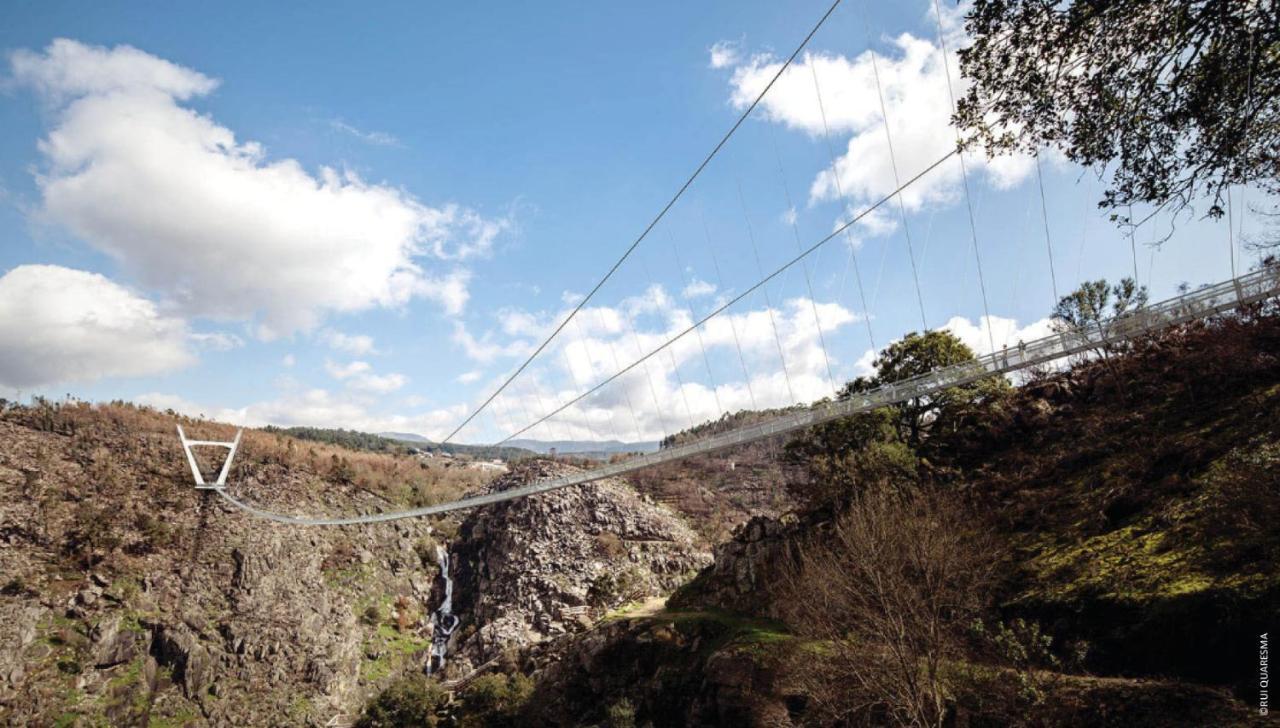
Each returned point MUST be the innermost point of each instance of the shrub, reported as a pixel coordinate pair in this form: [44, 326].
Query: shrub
[411, 702]
[404, 614]
[891, 589]
[621, 714]
[610, 545]
[494, 701]
[610, 588]
[425, 548]
[340, 470]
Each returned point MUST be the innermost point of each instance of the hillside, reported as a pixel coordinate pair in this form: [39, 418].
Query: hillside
[399, 442]
[1120, 502]
[134, 599]
[1104, 529]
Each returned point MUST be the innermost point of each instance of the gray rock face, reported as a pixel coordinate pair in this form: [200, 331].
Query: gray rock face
[550, 564]
[211, 617]
[743, 570]
[113, 645]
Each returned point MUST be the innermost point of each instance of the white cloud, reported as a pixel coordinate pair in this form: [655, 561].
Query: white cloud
[378, 383]
[218, 340]
[356, 344]
[484, 349]
[378, 138]
[288, 360]
[724, 54]
[914, 81]
[697, 288]
[1004, 331]
[671, 390]
[209, 220]
[346, 371]
[62, 325]
[358, 375]
[470, 377]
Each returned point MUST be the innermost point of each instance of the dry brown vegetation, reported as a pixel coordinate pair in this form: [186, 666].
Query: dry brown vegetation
[120, 446]
[399, 479]
[887, 591]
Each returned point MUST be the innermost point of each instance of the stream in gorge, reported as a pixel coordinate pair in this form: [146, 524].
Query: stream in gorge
[443, 620]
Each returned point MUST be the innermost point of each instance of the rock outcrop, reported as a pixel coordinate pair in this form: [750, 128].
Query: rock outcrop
[547, 565]
[745, 572]
[128, 597]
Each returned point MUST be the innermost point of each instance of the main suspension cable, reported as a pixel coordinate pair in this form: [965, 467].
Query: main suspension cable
[964, 176]
[778, 271]
[835, 176]
[652, 224]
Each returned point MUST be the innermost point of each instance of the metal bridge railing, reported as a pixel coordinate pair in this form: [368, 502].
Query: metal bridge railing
[1208, 301]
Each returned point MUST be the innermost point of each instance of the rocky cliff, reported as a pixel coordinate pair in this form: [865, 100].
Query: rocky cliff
[544, 566]
[129, 598]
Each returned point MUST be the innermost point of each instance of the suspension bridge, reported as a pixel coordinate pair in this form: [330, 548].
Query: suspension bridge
[1211, 300]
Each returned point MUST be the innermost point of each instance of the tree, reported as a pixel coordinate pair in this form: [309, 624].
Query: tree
[888, 593]
[914, 355]
[1087, 305]
[880, 446]
[1181, 96]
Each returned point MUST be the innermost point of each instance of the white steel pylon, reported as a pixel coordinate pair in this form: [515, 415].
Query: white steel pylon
[195, 468]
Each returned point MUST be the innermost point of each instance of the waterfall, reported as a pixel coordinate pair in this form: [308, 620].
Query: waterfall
[444, 621]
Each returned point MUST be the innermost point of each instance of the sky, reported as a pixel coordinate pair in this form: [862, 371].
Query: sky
[368, 215]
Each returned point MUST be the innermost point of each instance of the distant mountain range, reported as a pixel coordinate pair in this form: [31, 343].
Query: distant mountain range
[584, 447]
[544, 447]
[404, 437]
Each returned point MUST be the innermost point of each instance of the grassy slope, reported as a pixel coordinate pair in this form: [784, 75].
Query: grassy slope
[1141, 514]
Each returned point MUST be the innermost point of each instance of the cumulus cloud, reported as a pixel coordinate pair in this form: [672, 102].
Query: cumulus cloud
[210, 220]
[486, 349]
[62, 325]
[698, 288]
[1004, 331]
[671, 390]
[978, 336]
[359, 375]
[914, 81]
[357, 344]
[218, 340]
[724, 54]
[346, 371]
[378, 383]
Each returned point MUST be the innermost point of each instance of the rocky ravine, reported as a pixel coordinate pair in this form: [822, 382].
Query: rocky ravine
[129, 598]
[552, 564]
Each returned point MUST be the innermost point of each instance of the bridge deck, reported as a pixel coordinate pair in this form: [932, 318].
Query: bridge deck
[1208, 301]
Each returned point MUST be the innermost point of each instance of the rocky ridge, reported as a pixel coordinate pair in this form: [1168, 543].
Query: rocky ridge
[551, 564]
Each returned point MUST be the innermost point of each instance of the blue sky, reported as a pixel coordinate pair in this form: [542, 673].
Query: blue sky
[339, 215]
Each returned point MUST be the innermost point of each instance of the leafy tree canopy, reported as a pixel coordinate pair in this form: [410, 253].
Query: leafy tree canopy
[881, 446]
[1180, 98]
[914, 355]
[1087, 305]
